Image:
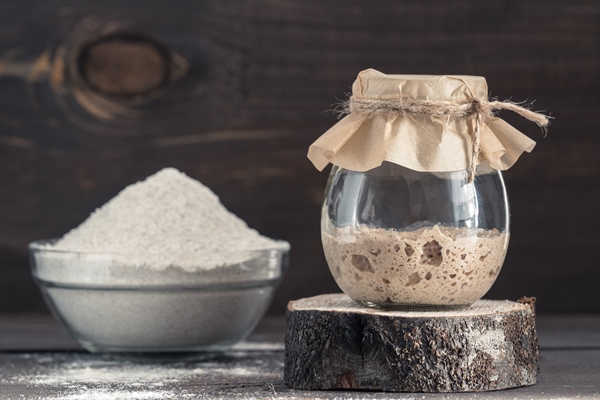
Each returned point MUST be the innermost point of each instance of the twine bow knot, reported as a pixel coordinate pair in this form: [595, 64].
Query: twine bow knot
[482, 109]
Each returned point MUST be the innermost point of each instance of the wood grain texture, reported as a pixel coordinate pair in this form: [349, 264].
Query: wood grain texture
[248, 83]
[332, 343]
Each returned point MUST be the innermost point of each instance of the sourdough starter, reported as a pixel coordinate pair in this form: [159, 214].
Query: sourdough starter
[430, 266]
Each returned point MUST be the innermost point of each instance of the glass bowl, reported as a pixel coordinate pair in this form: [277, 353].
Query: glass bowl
[110, 304]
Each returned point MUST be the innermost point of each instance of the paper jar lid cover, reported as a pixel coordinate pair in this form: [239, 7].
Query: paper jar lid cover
[422, 122]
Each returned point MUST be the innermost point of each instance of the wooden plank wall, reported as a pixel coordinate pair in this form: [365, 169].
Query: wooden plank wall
[233, 92]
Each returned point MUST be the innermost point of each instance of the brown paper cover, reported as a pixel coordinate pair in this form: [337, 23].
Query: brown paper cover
[360, 142]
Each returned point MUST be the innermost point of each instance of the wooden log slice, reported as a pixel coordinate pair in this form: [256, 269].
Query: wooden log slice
[333, 343]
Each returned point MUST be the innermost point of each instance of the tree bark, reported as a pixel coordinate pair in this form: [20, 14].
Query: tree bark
[333, 343]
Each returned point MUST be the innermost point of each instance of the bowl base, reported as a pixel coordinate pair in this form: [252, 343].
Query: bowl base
[191, 353]
[159, 357]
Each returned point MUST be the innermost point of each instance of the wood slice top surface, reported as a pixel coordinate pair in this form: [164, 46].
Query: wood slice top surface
[340, 302]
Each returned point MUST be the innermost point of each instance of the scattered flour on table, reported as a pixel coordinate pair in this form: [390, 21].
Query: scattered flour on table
[83, 376]
[169, 219]
[113, 394]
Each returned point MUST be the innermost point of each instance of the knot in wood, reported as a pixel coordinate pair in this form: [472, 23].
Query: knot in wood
[124, 65]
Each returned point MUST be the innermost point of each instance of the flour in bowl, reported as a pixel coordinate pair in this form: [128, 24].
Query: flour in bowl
[167, 220]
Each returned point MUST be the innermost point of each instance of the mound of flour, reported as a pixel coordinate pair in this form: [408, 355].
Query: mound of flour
[167, 220]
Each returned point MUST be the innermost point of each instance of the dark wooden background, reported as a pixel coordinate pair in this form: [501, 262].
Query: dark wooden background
[95, 95]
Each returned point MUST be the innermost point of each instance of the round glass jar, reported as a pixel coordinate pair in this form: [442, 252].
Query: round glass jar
[397, 238]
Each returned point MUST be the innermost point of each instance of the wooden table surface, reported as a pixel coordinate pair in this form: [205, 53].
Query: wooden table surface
[38, 360]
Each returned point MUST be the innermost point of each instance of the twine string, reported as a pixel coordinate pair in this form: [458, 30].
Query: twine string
[482, 109]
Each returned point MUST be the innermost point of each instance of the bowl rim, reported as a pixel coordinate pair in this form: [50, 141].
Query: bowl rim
[41, 245]
[40, 248]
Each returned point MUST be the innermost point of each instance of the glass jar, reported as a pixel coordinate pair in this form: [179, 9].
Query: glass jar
[397, 238]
